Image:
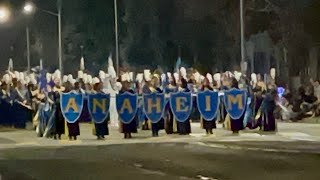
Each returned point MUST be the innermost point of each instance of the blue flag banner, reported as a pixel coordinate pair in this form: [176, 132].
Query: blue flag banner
[98, 105]
[153, 106]
[208, 104]
[181, 105]
[127, 106]
[42, 80]
[235, 101]
[71, 106]
[178, 64]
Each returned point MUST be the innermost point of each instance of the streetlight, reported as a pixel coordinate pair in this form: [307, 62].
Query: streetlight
[4, 14]
[30, 7]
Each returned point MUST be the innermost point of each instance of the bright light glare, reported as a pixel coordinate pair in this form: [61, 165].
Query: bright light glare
[28, 8]
[4, 14]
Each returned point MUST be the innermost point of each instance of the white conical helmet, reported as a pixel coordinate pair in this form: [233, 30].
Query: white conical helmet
[102, 75]
[147, 75]
[183, 72]
[209, 77]
[80, 74]
[254, 78]
[65, 79]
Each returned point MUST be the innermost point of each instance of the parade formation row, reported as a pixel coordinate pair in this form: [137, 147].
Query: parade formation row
[153, 101]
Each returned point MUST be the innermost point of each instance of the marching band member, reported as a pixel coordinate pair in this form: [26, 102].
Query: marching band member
[146, 90]
[111, 86]
[73, 128]
[46, 112]
[140, 112]
[192, 85]
[184, 128]
[59, 123]
[169, 118]
[102, 128]
[154, 87]
[80, 85]
[127, 129]
[268, 107]
[21, 106]
[236, 124]
[6, 112]
[208, 124]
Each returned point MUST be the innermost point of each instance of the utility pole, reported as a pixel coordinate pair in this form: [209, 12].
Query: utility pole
[116, 34]
[59, 4]
[28, 48]
[243, 63]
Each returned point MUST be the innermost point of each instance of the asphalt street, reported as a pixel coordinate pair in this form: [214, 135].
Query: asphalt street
[291, 153]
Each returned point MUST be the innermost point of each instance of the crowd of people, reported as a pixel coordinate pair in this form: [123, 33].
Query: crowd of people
[35, 97]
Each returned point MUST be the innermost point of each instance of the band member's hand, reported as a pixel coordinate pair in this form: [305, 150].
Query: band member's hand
[25, 102]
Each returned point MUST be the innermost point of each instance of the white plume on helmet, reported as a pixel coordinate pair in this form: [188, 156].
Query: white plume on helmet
[48, 77]
[111, 69]
[82, 68]
[163, 77]
[10, 65]
[273, 73]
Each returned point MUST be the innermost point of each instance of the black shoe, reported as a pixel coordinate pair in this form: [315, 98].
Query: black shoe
[102, 137]
[55, 137]
[59, 136]
[75, 138]
[70, 138]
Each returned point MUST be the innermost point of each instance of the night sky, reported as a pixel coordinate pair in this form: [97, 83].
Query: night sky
[162, 27]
